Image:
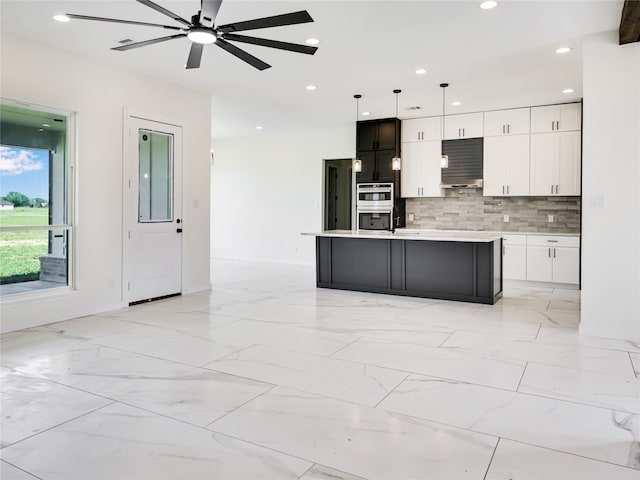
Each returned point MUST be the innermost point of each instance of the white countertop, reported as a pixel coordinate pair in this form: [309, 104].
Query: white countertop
[403, 234]
[424, 234]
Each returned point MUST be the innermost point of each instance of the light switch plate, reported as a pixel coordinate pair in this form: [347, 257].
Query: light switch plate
[550, 218]
[505, 218]
[411, 217]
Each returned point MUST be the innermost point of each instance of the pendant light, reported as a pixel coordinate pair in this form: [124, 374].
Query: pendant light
[357, 163]
[444, 159]
[396, 162]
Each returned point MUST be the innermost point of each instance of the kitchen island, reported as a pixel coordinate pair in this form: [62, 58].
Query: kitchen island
[462, 266]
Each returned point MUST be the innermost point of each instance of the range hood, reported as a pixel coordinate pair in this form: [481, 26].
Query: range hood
[465, 163]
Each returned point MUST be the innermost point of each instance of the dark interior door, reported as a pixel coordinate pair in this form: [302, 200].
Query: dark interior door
[331, 211]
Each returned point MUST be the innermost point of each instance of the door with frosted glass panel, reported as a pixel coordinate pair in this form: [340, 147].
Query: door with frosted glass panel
[153, 236]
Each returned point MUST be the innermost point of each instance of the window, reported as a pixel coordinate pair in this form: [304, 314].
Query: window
[35, 226]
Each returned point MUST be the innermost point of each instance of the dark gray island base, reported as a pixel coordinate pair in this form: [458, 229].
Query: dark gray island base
[467, 271]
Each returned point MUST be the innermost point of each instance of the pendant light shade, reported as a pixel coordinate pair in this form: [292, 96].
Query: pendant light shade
[396, 162]
[357, 163]
[444, 159]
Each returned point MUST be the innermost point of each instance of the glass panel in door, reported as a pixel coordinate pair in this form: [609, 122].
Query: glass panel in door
[155, 177]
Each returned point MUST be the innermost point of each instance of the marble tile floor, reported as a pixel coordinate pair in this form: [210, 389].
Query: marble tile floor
[267, 377]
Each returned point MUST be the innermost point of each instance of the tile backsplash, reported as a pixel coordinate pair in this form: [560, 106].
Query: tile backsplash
[468, 209]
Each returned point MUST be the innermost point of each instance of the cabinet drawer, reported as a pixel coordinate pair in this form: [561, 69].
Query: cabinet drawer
[514, 239]
[553, 241]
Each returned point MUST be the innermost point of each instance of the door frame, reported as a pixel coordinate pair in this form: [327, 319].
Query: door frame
[126, 125]
[323, 212]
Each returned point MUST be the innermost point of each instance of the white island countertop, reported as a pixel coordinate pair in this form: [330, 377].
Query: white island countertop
[402, 234]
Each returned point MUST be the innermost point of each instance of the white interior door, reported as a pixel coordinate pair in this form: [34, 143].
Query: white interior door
[153, 210]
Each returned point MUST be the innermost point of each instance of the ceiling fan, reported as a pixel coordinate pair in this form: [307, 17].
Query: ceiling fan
[201, 30]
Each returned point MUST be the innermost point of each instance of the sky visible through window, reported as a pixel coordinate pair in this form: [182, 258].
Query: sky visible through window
[24, 170]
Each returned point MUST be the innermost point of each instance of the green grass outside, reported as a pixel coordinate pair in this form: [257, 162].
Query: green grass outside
[20, 250]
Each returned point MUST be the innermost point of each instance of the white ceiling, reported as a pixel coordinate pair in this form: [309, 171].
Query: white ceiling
[499, 58]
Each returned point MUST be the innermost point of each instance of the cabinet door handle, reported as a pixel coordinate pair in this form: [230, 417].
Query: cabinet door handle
[549, 253]
[507, 189]
[504, 250]
[463, 132]
[556, 189]
[553, 125]
[554, 253]
[557, 124]
[551, 189]
[508, 128]
[503, 189]
[503, 129]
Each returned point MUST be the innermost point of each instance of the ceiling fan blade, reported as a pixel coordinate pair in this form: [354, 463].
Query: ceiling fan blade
[115, 20]
[164, 11]
[264, 42]
[195, 55]
[209, 12]
[242, 55]
[266, 22]
[130, 46]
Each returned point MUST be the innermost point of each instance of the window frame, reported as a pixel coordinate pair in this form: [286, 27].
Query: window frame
[70, 200]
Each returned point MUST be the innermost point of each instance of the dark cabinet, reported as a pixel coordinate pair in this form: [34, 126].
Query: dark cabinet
[377, 142]
[376, 166]
[378, 134]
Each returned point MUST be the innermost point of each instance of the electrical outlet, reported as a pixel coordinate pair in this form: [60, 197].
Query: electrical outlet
[505, 218]
[551, 219]
[411, 217]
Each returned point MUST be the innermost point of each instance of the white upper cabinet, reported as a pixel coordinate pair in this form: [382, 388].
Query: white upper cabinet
[422, 129]
[421, 173]
[556, 118]
[555, 164]
[506, 166]
[466, 125]
[507, 122]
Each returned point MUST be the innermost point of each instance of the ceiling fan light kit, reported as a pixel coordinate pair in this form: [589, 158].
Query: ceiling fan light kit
[201, 30]
[201, 35]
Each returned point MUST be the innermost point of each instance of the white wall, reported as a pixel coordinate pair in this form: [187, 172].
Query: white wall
[611, 172]
[267, 189]
[38, 74]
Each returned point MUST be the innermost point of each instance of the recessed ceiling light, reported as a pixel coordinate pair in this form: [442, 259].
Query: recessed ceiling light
[365, 114]
[41, 129]
[456, 104]
[421, 71]
[258, 127]
[488, 5]
[46, 125]
[312, 41]
[567, 90]
[61, 18]
[563, 50]
[311, 87]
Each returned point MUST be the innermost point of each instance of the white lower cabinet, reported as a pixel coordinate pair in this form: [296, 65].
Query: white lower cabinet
[514, 257]
[553, 259]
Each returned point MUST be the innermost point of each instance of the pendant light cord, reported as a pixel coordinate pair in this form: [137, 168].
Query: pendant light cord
[444, 86]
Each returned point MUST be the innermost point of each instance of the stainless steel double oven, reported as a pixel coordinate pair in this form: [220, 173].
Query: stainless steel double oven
[374, 206]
